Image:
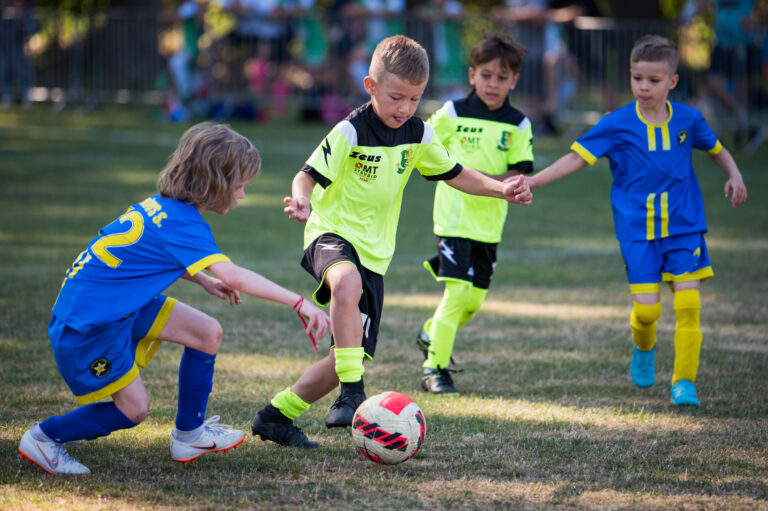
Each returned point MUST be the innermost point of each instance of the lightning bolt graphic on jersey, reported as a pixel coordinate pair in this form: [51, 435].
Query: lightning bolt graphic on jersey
[447, 252]
[326, 150]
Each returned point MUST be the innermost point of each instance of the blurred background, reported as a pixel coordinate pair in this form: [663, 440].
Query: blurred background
[261, 60]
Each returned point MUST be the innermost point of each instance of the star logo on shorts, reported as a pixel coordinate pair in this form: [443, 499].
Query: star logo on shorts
[100, 367]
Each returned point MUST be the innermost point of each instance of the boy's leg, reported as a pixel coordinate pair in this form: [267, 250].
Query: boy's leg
[646, 311]
[687, 343]
[201, 335]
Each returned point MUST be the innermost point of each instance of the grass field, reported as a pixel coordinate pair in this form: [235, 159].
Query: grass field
[549, 418]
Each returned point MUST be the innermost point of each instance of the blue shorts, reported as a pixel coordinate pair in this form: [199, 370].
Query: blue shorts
[98, 363]
[674, 259]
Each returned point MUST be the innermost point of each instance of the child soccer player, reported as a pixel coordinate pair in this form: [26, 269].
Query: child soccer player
[110, 315]
[482, 130]
[658, 211]
[362, 167]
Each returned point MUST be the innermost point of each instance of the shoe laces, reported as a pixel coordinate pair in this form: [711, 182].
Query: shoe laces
[445, 373]
[61, 453]
[212, 427]
[347, 399]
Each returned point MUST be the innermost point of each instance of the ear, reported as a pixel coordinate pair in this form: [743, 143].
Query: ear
[515, 78]
[369, 85]
[675, 78]
[471, 71]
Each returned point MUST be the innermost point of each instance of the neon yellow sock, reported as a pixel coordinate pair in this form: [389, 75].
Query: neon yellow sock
[289, 403]
[687, 335]
[349, 364]
[445, 322]
[643, 322]
[475, 302]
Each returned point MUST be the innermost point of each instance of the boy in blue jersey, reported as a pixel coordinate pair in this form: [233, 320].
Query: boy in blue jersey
[111, 316]
[658, 211]
[349, 193]
[485, 131]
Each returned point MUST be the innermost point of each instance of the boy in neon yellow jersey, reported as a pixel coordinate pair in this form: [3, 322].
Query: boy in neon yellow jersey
[658, 211]
[354, 183]
[485, 131]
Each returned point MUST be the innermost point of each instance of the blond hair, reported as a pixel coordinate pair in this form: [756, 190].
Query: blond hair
[208, 165]
[655, 48]
[401, 56]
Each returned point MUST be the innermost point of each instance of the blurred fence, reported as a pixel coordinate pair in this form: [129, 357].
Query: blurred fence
[201, 63]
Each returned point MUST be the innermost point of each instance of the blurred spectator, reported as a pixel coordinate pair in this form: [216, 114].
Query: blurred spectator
[442, 25]
[18, 25]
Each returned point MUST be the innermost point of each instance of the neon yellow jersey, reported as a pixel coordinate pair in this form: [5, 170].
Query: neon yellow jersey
[362, 167]
[491, 141]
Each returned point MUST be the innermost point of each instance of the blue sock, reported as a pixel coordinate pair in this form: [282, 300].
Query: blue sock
[86, 423]
[195, 384]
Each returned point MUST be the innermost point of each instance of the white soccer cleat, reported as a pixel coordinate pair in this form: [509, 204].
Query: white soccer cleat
[214, 438]
[49, 455]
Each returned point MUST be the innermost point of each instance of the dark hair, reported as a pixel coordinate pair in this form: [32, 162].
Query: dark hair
[208, 165]
[502, 47]
[655, 48]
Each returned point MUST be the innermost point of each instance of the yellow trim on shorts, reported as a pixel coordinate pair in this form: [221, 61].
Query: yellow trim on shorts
[637, 289]
[148, 346]
[700, 274]
[110, 389]
[322, 281]
[584, 153]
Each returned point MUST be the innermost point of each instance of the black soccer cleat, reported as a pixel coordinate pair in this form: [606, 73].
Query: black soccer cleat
[439, 381]
[343, 409]
[279, 431]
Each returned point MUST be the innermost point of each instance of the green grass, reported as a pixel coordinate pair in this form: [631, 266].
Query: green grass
[549, 418]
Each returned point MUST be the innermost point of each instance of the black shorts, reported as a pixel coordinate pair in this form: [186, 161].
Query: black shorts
[330, 249]
[463, 259]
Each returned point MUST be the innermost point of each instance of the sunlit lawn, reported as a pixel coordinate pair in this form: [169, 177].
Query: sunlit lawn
[548, 417]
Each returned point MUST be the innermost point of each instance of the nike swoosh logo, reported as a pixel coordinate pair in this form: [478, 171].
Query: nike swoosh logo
[47, 460]
[204, 448]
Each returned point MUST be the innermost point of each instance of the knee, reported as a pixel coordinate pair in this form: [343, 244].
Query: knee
[346, 290]
[646, 314]
[136, 408]
[210, 334]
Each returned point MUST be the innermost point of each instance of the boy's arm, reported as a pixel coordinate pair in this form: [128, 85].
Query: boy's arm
[475, 182]
[567, 164]
[297, 206]
[215, 287]
[252, 283]
[735, 182]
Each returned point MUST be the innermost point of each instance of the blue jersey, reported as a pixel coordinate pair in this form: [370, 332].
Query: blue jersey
[132, 260]
[655, 193]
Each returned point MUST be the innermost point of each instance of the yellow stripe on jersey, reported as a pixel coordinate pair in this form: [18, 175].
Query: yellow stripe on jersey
[715, 150]
[651, 137]
[651, 129]
[664, 214]
[651, 216]
[665, 136]
[583, 152]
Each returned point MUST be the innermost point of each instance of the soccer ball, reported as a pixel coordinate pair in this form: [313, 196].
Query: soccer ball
[388, 428]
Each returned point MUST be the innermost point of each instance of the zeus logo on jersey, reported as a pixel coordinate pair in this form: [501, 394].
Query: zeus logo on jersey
[468, 129]
[365, 157]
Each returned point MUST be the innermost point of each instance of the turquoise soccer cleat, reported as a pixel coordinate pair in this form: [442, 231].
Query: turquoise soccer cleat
[684, 393]
[643, 368]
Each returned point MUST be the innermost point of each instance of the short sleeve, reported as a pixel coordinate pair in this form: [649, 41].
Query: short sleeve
[520, 153]
[443, 121]
[703, 136]
[328, 157]
[595, 143]
[433, 160]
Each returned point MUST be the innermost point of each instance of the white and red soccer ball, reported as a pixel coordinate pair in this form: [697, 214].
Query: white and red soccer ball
[389, 428]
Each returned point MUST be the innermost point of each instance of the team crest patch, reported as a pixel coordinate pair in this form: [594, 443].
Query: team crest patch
[100, 367]
[682, 136]
[405, 159]
[505, 141]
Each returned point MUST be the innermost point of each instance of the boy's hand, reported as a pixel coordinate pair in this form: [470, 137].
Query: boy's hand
[518, 191]
[297, 208]
[218, 288]
[317, 320]
[735, 186]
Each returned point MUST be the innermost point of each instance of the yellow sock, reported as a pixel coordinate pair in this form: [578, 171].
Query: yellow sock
[687, 335]
[643, 321]
[445, 322]
[349, 364]
[289, 403]
[475, 301]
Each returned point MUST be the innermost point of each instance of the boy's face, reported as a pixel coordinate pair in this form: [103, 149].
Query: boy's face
[492, 82]
[393, 99]
[651, 82]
